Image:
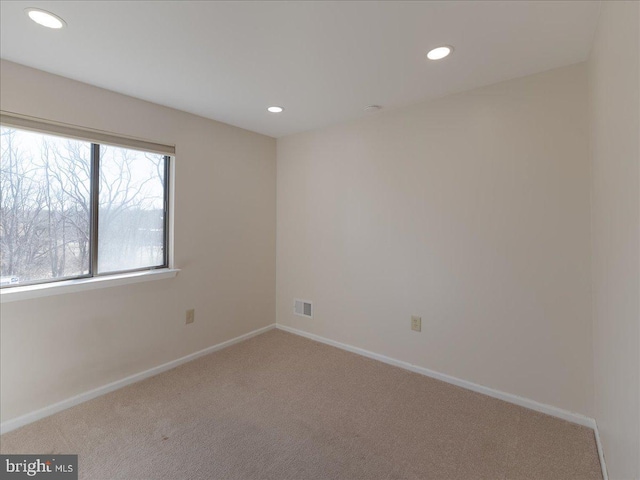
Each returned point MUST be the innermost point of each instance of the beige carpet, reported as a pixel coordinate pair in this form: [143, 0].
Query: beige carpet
[282, 407]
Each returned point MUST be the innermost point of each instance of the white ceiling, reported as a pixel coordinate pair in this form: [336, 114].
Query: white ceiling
[323, 61]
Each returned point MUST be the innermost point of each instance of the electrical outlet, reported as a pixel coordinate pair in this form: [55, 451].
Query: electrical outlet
[416, 323]
[191, 316]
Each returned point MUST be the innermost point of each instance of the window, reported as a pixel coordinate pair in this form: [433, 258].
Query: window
[72, 208]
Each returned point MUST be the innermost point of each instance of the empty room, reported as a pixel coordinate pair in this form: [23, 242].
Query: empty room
[313, 240]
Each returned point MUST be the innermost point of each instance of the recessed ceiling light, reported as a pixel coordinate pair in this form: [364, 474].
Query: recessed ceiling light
[44, 18]
[439, 52]
[275, 109]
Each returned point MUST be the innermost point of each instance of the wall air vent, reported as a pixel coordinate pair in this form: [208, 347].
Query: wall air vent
[304, 308]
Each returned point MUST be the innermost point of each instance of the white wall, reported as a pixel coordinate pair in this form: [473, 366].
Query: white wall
[614, 80]
[471, 211]
[56, 347]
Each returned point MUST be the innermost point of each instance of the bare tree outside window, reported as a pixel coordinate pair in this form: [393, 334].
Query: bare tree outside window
[46, 208]
[131, 214]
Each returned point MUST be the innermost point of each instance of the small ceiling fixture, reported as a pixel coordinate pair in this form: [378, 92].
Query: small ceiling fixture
[44, 18]
[372, 108]
[439, 53]
[275, 109]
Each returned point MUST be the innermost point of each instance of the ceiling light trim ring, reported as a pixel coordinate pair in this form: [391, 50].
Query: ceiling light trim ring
[45, 18]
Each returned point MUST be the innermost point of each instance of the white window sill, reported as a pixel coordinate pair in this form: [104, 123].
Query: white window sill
[27, 292]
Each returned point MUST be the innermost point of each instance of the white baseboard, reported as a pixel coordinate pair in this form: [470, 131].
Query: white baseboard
[31, 417]
[603, 465]
[507, 397]
[110, 387]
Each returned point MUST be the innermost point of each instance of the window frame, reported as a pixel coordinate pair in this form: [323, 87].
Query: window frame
[94, 207]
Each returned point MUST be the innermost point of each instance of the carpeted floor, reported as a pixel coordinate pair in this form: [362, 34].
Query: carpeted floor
[279, 406]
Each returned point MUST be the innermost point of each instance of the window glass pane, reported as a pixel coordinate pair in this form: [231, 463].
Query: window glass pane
[131, 210]
[44, 207]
